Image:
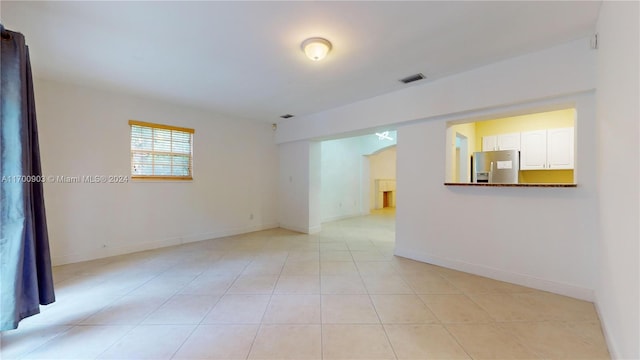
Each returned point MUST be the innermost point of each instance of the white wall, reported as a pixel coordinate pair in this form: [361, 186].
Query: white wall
[538, 237]
[315, 188]
[617, 291]
[86, 132]
[542, 237]
[294, 187]
[341, 178]
[345, 175]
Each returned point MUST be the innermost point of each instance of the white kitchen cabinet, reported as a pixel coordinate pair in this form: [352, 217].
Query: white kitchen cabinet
[547, 149]
[533, 150]
[490, 143]
[560, 148]
[501, 142]
[509, 141]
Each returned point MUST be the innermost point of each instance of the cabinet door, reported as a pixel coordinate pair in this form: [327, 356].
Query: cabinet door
[509, 141]
[533, 150]
[489, 143]
[560, 148]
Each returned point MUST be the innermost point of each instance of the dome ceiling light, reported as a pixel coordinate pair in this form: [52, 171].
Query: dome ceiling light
[316, 48]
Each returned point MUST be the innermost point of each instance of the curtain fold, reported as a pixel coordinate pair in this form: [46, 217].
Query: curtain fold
[26, 280]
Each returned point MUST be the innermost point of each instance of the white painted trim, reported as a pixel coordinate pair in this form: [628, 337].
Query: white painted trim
[155, 244]
[342, 217]
[309, 230]
[497, 274]
[314, 229]
[607, 334]
[293, 228]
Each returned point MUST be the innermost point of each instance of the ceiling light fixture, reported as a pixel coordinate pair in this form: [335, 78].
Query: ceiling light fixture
[316, 48]
[384, 136]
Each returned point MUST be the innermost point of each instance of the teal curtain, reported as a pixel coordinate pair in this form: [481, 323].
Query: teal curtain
[25, 263]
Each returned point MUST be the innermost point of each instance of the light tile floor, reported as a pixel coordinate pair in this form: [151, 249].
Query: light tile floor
[276, 294]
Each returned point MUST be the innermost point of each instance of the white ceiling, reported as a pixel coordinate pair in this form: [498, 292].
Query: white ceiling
[243, 58]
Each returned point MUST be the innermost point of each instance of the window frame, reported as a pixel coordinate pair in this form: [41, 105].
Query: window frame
[152, 126]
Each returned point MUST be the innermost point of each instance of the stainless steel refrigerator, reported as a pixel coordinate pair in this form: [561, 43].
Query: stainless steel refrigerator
[497, 167]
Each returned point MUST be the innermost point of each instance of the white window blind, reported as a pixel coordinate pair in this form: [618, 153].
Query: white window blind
[161, 151]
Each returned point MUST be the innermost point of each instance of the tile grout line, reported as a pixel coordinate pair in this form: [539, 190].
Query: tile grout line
[260, 324]
[208, 311]
[21, 356]
[446, 326]
[322, 355]
[249, 250]
[386, 335]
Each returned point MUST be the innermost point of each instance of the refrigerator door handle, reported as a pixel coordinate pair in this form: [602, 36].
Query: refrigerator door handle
[491, 173]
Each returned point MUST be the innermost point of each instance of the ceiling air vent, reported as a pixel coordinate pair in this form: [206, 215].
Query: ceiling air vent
[412, 78]
[286, 116]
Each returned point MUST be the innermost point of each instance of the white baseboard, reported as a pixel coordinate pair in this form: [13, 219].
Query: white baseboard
[608, 338]
[497, 274]
[150, 245]
[314, 229]
[342, 217]
[310, 230]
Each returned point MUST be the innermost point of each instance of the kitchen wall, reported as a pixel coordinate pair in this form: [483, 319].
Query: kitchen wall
[546, 120]
[85, 132]
[537, 237]
[618, 251]
[468, 130]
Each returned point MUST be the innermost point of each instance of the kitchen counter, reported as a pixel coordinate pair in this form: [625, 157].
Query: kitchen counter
[514, 185]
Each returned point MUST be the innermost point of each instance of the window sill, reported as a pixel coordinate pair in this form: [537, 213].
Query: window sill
[161, 178]
[550, 185]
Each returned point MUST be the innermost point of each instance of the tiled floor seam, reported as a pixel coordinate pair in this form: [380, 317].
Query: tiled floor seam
[379, 318]
[444, 326]
[249, 253]
[205, 315]
[261, 323]
[21, 356]
[196, 325]
[481, 307]
[523, 344]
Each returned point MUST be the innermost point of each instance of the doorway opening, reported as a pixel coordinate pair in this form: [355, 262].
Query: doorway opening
[461, 169]
[358, 183]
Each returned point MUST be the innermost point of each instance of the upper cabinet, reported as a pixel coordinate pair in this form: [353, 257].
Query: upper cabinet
[501, 142]
[545, 141]
[533, 151]
[489, 143]
[509, 141]
[547, 149]
[560, 148]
